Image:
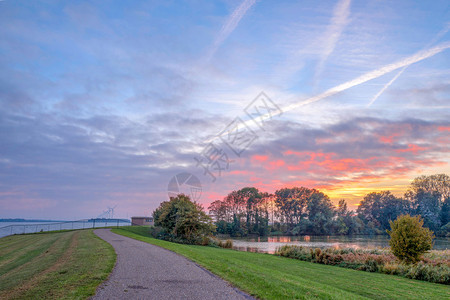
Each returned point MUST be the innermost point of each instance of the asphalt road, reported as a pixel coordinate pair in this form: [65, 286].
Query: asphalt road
[145, 271]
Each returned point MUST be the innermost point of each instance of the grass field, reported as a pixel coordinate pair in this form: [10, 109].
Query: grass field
[270, 277]
[58, 265]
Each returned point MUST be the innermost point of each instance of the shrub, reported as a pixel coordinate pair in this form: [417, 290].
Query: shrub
[390, 268]
[227, 244]
[434, 268]
[296, 252]
[205, 241]
[409, 239]
[183, 221]
[214, 242]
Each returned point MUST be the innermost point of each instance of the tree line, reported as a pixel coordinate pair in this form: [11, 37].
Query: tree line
[307, 211]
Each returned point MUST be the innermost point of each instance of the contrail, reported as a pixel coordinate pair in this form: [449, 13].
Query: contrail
[421, 55]
[334, 31]
[380, 92]
[230, 25]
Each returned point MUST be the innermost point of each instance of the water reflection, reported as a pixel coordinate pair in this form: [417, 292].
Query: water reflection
[271, 243]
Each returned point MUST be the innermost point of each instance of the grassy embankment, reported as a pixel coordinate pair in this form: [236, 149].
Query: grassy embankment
[272, 277]
[56, 265]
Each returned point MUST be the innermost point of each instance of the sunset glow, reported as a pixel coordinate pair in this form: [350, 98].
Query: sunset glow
[104, 104]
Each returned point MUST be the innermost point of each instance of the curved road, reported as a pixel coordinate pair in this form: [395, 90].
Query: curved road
[145, 271]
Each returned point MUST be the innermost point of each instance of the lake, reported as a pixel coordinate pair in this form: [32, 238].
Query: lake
[271, 243]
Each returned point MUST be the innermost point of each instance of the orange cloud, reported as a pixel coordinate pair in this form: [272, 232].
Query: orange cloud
[260, 157]
[350, 163]
[276, 164]
[411, 148]
[269, 165]
[239, 172]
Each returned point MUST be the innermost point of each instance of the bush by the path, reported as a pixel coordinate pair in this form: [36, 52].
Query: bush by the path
[182, 220]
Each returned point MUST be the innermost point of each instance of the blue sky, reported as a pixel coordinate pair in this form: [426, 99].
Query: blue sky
[103, 102]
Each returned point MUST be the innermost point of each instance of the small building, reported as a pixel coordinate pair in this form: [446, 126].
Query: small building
[142, 221]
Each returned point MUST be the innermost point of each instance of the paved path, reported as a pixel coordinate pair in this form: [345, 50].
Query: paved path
[145, 271]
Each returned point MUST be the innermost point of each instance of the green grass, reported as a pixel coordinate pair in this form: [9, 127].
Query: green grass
[271, 277]
[66, 264]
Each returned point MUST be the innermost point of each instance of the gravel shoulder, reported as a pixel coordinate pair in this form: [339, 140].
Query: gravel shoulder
[145, 271]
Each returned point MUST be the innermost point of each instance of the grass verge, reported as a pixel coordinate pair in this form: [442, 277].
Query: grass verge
[67, 264]
[270, 277]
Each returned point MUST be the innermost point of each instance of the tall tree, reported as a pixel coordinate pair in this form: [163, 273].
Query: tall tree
[291, 203]
[252, 199]
[428, 206]
[242, 212]
[378, 208]
[428, 195]
[342, 209]
[218, 210]
[320, 213]
[445, 212]
[438, 183]
[346, 222]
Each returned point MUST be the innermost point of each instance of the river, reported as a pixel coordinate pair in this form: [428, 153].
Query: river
[271, 243]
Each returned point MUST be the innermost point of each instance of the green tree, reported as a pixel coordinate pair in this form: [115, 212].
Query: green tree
[342, 209]
[183, 219]
[291, 203]
[428, 206]
[320, 213]
[346, 222]
[253, 212]
[344, 218]
[445, 211]
[438, 183]
[379, 208]
[409, 239]
[428, 196]
[219, 210]
[242, 212]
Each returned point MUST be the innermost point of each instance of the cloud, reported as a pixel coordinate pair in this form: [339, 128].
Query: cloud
[230, 25]
[419, 56]
[344, 155]
[74, 166]
[364, 78]
[372, 75]
[432, 95]
[77, 166]
[337, 24]
[387, 85]
[100, 108]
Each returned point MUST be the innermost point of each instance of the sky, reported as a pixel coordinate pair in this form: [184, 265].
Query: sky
[116, 103]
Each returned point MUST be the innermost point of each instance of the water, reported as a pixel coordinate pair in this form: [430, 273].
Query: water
[4, 224]
[10, 228]
[270, 244]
